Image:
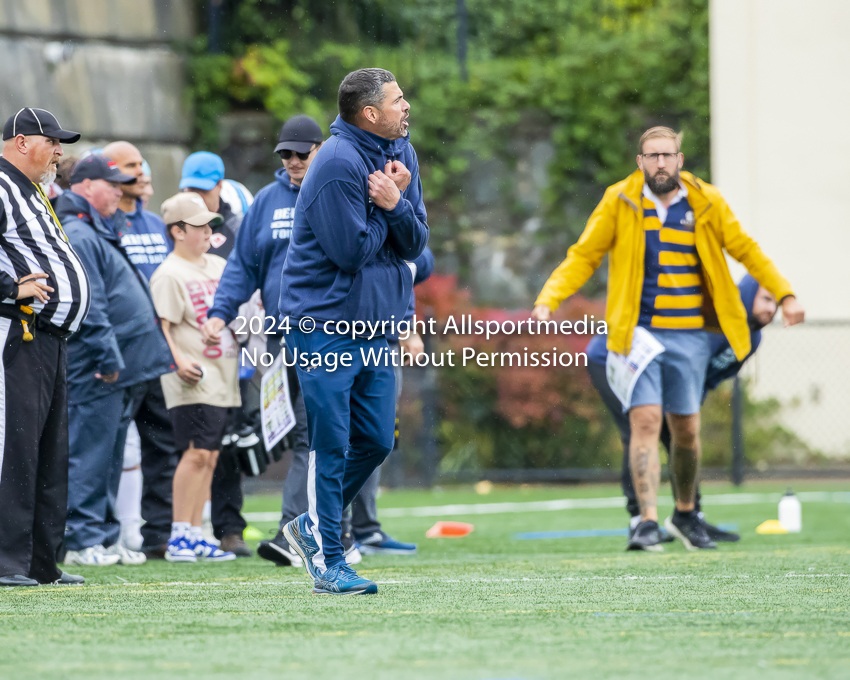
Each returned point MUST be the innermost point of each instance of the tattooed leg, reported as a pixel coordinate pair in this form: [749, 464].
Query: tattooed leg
[685, 455]
[645, 424]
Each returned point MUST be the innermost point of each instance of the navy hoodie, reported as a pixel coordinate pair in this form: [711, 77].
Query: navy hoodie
[121, 332]
[723, 363]
[143, 238]
[261, 245]
[346, 257]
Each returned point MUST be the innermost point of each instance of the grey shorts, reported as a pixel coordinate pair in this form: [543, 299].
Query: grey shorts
[676, 378]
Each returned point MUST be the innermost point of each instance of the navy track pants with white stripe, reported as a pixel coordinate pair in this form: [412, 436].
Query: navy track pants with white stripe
[351, 426]
[33, 452]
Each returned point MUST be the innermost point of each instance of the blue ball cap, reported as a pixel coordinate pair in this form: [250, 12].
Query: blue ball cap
[202, 170]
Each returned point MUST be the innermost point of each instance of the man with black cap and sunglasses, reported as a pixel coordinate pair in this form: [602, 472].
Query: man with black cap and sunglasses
[257, 262]
[119, 346]
[44, 297]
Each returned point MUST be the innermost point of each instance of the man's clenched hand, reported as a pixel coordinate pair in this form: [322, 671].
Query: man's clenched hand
[399, 174]
[383, 191]
[541, 313]
[792, 312]
[211, 331]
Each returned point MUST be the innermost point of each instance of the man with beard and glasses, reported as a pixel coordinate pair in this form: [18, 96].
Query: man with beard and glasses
[761, 308]
[668, 281]
[44, 297]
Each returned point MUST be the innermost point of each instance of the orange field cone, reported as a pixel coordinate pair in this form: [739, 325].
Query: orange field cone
[449, 530]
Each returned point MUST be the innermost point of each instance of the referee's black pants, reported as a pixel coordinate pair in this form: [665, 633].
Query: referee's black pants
[33, 452]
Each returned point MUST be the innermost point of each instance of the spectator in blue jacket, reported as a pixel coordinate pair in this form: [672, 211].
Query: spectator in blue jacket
[143, 237]
[256, 262]
[761, 308]
[358, 220]
[142, 232]
[119, 346]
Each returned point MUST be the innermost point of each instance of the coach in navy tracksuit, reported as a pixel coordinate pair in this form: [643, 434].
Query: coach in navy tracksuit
[761, 308]
[359, 217]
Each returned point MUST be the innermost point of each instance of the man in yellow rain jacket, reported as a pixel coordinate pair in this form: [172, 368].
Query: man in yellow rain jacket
[665, 232]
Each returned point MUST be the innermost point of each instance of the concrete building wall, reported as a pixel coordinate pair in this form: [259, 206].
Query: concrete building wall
[780, 98]
[106, 68]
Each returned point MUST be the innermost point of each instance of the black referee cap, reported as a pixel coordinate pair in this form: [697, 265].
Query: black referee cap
[29, 121]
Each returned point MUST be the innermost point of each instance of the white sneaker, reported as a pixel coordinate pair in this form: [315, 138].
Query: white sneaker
[95, 556]
[131, 536]
[211, 553]
[180, 550]
[126, 556]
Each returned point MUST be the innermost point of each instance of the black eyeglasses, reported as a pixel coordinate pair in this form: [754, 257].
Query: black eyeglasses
[653, 157]
[286, 154]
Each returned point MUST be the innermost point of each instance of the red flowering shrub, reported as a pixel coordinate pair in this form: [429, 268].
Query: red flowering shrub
[504, 412]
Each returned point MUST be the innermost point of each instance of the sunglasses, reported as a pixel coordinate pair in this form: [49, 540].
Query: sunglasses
[286, 154]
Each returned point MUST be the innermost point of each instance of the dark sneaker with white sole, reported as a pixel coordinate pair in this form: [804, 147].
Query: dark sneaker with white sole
[647, 536]
[690, 530]
[717, 534]
[279, 551]
[67, 579]
[665, 537]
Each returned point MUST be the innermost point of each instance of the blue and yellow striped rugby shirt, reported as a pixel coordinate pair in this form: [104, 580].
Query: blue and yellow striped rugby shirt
[672, 282]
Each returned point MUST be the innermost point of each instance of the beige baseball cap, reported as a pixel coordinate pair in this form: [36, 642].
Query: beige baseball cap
[190, 208]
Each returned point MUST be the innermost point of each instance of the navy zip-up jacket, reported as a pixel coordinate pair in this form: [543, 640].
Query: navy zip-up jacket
[121, 332]
[261, 245]
[346, 258]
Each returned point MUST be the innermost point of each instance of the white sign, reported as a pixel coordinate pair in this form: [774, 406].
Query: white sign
[277, 414]
[623, 371]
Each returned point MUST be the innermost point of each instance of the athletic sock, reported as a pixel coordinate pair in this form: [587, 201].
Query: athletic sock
[128, 508]
[196, 534]
[180, 530]
[634, 521]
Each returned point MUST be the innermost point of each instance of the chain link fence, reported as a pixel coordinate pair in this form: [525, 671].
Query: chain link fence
[792, 415]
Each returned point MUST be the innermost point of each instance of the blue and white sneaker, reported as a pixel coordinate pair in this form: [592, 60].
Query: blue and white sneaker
[343, 580]
[180, 550]
[303, 543]
[380, 543]
[211, 553]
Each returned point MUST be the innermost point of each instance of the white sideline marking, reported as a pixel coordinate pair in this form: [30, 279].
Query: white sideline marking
[427, 579]
[578, 504]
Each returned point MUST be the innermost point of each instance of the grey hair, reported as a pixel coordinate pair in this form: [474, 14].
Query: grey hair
[361, 88]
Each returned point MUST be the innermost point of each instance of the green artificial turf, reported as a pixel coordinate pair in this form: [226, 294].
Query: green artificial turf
[484, 606]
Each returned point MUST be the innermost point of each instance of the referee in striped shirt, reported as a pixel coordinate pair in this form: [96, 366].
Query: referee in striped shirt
[44, 297]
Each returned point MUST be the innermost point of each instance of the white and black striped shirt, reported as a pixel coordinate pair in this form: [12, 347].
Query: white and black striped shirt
[32, 240]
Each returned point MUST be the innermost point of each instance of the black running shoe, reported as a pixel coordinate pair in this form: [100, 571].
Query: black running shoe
[279, 551]
[647, 536]
[665, 537]
[717, 534]
[690, 530]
